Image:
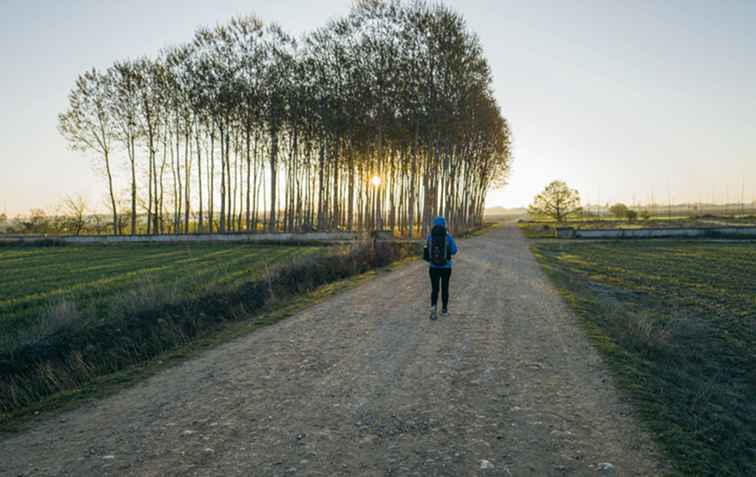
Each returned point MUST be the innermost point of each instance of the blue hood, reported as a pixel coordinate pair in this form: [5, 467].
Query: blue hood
[439, 221]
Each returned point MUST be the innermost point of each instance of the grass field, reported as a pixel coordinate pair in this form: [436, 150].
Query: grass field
[539, 229]
[676, 322]
[36, 280]
[72, 314]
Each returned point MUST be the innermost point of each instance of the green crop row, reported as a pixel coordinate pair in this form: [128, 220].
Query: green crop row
[72, 314]
[34, 280]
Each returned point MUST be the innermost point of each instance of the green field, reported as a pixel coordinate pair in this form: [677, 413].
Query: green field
[676, 321]
[540, 229]
[72, 314]
[36, 280]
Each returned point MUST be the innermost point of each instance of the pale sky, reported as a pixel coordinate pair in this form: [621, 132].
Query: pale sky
[620, 99]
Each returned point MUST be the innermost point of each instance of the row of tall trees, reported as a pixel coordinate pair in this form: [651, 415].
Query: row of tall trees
[380, 119]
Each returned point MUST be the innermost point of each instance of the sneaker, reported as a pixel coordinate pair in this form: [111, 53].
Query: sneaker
[433, 313]
[444, 312]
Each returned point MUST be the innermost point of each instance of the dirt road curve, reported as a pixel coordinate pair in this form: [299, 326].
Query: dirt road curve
[365, 384]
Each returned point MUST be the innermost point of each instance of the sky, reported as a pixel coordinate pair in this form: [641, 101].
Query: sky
[625, 101]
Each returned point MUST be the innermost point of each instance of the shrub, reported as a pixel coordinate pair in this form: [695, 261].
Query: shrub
[618, 210]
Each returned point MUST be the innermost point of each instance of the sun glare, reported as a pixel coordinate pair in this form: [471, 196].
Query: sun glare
[376, 181]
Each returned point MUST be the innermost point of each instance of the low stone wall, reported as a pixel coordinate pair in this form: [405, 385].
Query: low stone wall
[240, 237]
[709, 232]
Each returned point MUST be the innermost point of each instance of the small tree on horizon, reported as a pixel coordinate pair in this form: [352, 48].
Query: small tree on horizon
[619, 210]
[75, 210]
[557, 201]
[37, 222]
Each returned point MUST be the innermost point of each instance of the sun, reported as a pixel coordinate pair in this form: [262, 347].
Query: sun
[376, 181]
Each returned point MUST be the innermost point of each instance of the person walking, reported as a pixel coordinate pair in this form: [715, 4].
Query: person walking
[438, 252]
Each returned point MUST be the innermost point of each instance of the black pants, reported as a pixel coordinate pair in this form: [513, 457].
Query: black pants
[442, 275]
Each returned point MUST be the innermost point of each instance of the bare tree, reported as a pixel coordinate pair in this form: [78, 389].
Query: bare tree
[87, 125]
[557, 201]
[400, 92]
[75, 212]
[124, 110]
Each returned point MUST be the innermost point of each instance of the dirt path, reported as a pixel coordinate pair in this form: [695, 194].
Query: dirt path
[365, 384]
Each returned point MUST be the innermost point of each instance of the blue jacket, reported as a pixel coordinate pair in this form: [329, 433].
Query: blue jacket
[452, 243]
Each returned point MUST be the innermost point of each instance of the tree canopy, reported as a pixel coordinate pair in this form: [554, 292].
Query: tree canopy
[557, 202]
[245, 127]
[618, 210]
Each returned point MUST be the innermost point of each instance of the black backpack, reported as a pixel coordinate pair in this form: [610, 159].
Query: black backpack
[438, 248]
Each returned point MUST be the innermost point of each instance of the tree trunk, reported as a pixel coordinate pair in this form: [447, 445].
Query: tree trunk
[224, 139]
[154, 181]
[248, 191]
[187, 176]
[132, 160]
[211, 184]
[116, 229]
[149, 191]
[200, 225]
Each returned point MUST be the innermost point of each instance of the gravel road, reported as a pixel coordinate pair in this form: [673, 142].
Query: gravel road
[365, 384]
